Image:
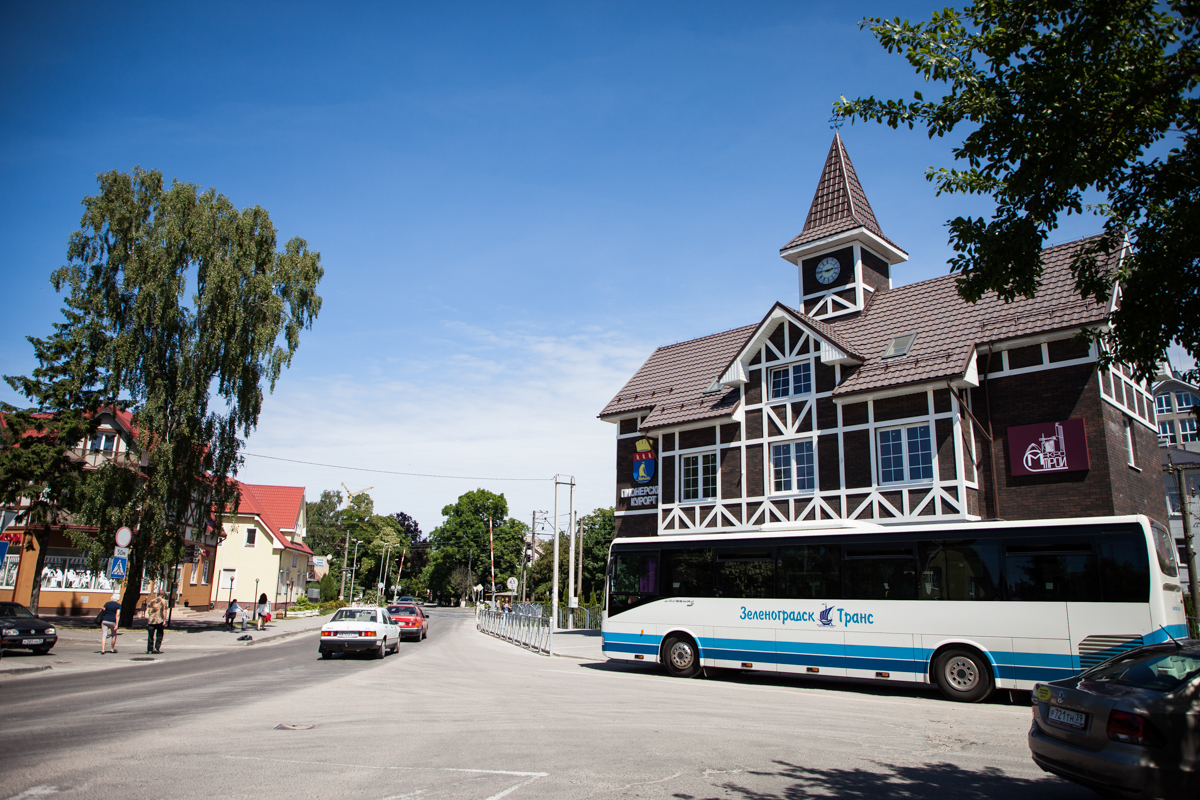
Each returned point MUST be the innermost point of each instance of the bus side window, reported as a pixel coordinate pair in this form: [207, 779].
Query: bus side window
[964, 570]
[809, 572]
[745, 572]
[688, 573]
[1042, 570]
[634, 581]
[1124, 567]
[880, 572]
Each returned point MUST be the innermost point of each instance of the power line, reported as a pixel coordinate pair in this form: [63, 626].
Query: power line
[392, 472]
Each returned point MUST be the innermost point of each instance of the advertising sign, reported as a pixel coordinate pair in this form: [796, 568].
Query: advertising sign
[1048, 447]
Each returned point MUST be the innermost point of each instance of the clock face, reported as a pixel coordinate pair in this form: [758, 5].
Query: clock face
[828, 270]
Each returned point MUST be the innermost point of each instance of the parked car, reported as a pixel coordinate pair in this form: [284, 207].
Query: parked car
[411, 619]
[19, 627]
[1128, 727]
[360, 629]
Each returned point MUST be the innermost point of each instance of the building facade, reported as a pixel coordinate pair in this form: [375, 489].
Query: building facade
[1175, 401]
[865, 402]
[263, 550]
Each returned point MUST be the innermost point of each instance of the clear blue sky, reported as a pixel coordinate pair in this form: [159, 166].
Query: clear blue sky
[514, 203]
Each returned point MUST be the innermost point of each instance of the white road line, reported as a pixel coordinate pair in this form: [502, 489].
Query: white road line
[534, 775]
[41, 791]
[512, 789]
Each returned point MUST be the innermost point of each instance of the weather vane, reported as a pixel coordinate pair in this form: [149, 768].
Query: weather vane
[836, 122]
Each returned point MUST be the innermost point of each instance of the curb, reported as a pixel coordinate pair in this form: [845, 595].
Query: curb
[24, 670]
[284, 635]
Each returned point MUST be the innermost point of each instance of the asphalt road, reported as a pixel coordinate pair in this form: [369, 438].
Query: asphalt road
[462, 715]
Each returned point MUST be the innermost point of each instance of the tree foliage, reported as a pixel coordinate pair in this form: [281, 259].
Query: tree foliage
[597, 528]
[461, 543]
[174, 299]
[1059, 98]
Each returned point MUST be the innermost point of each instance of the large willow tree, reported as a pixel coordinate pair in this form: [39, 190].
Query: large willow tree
[180, 308]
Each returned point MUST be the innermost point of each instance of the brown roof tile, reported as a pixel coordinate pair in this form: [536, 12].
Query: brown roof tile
[839, 204]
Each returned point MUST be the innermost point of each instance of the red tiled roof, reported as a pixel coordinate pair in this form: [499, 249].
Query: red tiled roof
[839, 204]
[277, 506]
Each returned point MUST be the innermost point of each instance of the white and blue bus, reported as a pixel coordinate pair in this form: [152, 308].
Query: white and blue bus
[969, 606]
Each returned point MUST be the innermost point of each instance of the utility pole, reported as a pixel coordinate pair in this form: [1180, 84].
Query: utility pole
[1185, 507]
[396, 585]
[345, 558]
[492, 558]
[554, 583]
[580, 583]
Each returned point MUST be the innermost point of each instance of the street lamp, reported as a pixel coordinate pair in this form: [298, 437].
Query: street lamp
[353, 569]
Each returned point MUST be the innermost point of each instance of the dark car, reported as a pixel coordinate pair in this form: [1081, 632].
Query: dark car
[411, 619]
[20, 628]
[1129, 727]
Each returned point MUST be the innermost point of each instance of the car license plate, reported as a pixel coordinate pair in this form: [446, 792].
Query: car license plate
[350, 634]
[1072, 718]
[31, 641]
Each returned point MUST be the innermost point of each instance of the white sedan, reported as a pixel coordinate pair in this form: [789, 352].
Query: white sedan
[360, 629]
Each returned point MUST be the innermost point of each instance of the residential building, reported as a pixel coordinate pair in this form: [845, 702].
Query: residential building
[1175, 401]
[263, 551]
[1188, 461]
[867, 402]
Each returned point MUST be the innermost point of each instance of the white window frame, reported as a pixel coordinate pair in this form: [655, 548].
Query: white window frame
[204, 572]
[1129, 451]
[294, 560]
[905, 454]
[1179, 401]
[790, 369]
[1166, 432]
[792, 478]
[1158, 403]
[228, 580]
[1187, 430]
[251, 536]
[700, 459]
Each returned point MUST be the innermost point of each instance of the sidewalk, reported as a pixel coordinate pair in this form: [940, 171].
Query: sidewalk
[583, 644]
[78, 648]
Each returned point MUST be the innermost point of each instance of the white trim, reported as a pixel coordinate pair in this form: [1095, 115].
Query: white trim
[887, 251]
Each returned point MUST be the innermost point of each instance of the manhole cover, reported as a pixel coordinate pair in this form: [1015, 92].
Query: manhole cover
[141, 658]
[300, 726]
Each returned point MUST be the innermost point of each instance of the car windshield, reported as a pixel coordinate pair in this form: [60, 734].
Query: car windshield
[1161, 670]
[403, 611]
[354, 615]
[14, 610]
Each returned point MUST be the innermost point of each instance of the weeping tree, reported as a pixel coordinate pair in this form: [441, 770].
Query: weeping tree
[178, 307]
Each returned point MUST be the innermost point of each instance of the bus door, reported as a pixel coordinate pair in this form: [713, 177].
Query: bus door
[1043, 574]
[743, 631]
[808, 580]
[1108, 608]
[880, 585]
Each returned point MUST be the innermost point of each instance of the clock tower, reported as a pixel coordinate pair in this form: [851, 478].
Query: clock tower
[841, 253]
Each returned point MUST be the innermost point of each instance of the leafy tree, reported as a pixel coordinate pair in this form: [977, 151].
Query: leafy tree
[598, 528]
[133, 336]
[462, 541]
[329, 587]
[1060, 97]
[324, 537]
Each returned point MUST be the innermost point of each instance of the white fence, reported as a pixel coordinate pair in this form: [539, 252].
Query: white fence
[531, 631]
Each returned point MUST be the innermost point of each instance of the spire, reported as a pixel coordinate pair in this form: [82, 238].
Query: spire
[839, 204]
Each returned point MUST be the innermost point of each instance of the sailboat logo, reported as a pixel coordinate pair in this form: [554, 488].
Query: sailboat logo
[643, 461]
[825, 617]
[1049, 453]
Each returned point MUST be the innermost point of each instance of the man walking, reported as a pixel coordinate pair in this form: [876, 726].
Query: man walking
[156, 620]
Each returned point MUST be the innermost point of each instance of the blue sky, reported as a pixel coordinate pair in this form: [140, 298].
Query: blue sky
[514, 203]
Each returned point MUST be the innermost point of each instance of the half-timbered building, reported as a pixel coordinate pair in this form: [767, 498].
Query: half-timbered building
[868, 402]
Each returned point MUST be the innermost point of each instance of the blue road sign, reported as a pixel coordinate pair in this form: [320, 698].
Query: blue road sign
[118, 569]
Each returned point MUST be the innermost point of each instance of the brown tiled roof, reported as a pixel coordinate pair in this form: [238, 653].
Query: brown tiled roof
[1174, 456]
[671, 383]
[947, 327]
[839, 204]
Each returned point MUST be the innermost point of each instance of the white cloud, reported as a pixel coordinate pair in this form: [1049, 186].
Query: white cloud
[502, 404]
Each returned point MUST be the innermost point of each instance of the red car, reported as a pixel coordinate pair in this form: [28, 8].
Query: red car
[412, 621]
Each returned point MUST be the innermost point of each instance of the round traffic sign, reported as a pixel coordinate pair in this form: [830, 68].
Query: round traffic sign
[512, 584]
[124, 537]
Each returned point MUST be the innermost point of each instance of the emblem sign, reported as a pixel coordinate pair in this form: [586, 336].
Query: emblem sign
[1048, 447]
[643, 461]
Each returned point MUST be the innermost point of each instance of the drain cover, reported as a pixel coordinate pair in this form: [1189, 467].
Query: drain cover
[299, 726]
[141, 658]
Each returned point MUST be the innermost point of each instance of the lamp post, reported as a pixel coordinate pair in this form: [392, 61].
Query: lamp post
[353, 570]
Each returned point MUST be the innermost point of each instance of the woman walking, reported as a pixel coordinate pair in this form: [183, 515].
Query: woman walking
[264, 610]
[108, 622]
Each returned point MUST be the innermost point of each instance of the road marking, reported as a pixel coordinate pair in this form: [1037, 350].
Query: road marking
[36, 791]
[512, 789]
[648, 783]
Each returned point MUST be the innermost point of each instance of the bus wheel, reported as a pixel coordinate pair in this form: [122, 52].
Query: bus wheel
[963, 676]
[680, 657]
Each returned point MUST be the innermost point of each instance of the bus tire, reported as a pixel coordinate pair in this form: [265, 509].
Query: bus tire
[963, 675]
[680, 656]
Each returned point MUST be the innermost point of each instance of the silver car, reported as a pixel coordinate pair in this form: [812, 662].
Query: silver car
[1129, 727]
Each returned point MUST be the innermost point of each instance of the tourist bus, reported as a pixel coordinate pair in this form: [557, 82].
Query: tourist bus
[969, 606]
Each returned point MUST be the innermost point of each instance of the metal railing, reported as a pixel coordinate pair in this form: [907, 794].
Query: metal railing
[584, 617]
[531, 631]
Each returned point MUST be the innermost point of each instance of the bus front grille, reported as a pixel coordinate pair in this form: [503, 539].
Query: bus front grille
[1095, 649]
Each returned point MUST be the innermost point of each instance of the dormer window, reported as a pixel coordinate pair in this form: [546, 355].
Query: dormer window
[791, 381]
[103, 442]
[900, 346]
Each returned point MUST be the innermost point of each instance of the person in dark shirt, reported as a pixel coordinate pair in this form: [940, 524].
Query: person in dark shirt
[108, 623]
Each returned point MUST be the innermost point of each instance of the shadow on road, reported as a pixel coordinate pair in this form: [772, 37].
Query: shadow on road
[912, 782]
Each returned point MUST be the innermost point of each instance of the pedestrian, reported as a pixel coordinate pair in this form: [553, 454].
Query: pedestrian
[264, 610]
[156, 620]
[108, 622]
[231, 612]
[245, 615]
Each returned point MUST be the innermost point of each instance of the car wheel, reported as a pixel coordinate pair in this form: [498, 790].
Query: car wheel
[41, 651]
[381, 651]
[326, 654]
[963, 676]
[681, 657]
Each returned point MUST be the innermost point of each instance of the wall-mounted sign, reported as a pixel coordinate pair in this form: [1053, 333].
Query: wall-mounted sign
[643, 461]
[1048, 447]
[641, 496]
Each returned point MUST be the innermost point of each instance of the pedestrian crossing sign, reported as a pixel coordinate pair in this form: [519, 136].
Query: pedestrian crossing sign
[118, 569]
